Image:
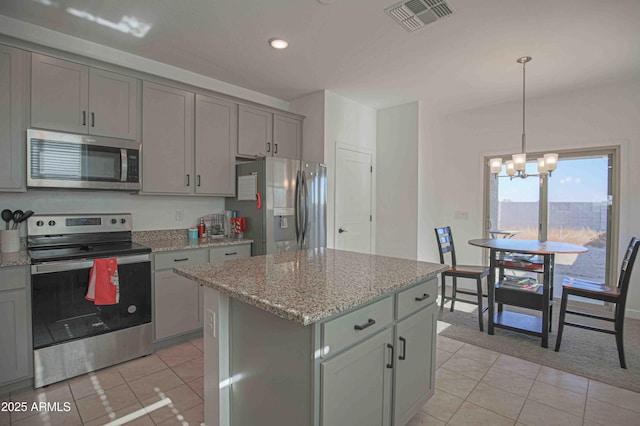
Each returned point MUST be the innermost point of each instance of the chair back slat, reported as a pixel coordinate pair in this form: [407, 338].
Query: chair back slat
[627, 266]
[445, 244]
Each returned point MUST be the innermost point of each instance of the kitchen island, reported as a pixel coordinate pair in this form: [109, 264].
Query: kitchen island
[317, 337]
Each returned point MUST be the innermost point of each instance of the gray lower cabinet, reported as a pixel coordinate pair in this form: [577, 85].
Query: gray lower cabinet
[179, 301]
[15, 337]
[356, 385]
[13, 70]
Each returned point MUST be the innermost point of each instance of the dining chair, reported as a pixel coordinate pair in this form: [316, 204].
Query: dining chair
[603, 292]
[477, 273]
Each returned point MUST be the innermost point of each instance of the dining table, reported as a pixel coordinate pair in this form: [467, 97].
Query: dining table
[524, 258]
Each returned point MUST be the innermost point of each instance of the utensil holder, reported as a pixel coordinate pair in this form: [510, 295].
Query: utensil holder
[10, 241]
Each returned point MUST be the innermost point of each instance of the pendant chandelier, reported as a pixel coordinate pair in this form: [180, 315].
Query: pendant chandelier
[516, 166]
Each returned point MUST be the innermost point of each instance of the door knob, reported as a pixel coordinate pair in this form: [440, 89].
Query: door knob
[340, 230]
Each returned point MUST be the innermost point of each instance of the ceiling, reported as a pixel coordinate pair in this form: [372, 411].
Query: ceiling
[352, 47]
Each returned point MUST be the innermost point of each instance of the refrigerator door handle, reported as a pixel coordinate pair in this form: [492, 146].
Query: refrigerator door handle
[306, 209]
[297, 208]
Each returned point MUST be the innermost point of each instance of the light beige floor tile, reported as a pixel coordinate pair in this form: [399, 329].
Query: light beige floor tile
[610, 415]
[468, 367]
[563, 380]
[178, 354]
[442, 357]
[518, 366]
[190, 370]
[57, 417]
[613, 395]
[470, 414]
[143, 420]
[160, 381]
[559, 398]
[497, 400]
[447, 344]
[508, 381]
[536, 414]
[55, 393]
[423, 419]
[183, 398]
[198, 342]
[442, 405]
[105, 402]
[478, 353]
[453, 383]
[141, 367]
[91, 383]
[193, 416]
[198, 386]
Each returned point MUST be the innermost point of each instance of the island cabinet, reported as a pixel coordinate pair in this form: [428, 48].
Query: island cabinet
[371, 365]
[15, 317]
[188, 141]
[13, 71]
[72, 97]
[262, 132]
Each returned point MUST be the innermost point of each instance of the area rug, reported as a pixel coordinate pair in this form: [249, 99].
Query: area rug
[585, 353]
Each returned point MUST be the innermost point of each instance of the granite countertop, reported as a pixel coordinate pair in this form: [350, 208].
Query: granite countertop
[177, 239]
[19, 258]
[306, 286]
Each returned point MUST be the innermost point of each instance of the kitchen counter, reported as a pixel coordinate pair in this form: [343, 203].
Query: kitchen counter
[310, 285]
[169, 240]
[19, 258]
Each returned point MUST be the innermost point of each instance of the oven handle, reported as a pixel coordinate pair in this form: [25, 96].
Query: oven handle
[70, 265]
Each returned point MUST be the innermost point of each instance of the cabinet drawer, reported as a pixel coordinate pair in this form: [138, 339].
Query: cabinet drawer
[414, 298]
[181, 258]
[220, 254]
[13, 278]
[357, 325]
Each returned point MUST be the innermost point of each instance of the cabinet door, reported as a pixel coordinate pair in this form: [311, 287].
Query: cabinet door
[287, 137]
[59, 94]
[13, 73]
[414, 379]
[167, 139]
[14, 336]
[216, 145]
[356, 385]
[113, 103]
[255, 131]
[176, 304]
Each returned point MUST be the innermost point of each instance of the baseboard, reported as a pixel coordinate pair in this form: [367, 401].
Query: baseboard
[632, 313]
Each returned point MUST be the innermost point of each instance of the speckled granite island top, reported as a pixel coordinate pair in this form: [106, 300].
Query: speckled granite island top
[309, 285]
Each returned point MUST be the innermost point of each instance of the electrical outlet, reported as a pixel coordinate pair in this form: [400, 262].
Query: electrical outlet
[180, 215]
[211, 323]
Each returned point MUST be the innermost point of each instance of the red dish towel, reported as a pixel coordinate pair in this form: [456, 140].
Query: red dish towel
[104, 284]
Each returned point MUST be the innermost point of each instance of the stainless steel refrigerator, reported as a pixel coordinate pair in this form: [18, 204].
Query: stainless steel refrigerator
[289, 210]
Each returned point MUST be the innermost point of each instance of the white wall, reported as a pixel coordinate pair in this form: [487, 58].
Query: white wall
[397, 181]
[594, 117]
[149, 212]
[347, 123]
[312, 106]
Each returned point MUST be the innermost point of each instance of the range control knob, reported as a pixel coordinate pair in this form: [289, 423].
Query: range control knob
[113, 221]
[39, 223]
[123, 220]
[52, 223]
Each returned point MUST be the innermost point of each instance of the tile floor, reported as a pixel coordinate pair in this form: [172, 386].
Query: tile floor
[474, 386]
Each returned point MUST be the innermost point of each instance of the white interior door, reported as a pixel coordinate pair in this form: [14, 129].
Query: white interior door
[353, 214]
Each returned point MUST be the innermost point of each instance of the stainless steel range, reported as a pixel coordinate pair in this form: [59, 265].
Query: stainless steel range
[73, 335]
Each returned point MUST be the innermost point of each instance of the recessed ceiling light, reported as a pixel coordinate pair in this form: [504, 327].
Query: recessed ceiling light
[278, 43]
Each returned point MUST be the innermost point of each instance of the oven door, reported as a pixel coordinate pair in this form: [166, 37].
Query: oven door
[60, 312]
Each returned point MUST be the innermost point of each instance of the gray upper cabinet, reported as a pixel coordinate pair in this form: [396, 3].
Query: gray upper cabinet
[76, 98]
[255, 132]
[216, 139]
[262, 132]
[13, 66]
[287, 136]
[167, 139]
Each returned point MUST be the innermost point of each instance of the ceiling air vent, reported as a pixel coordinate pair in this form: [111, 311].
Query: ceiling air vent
[415, 14]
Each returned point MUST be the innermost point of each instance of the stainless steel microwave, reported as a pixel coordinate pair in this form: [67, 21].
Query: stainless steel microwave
[65, 160]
